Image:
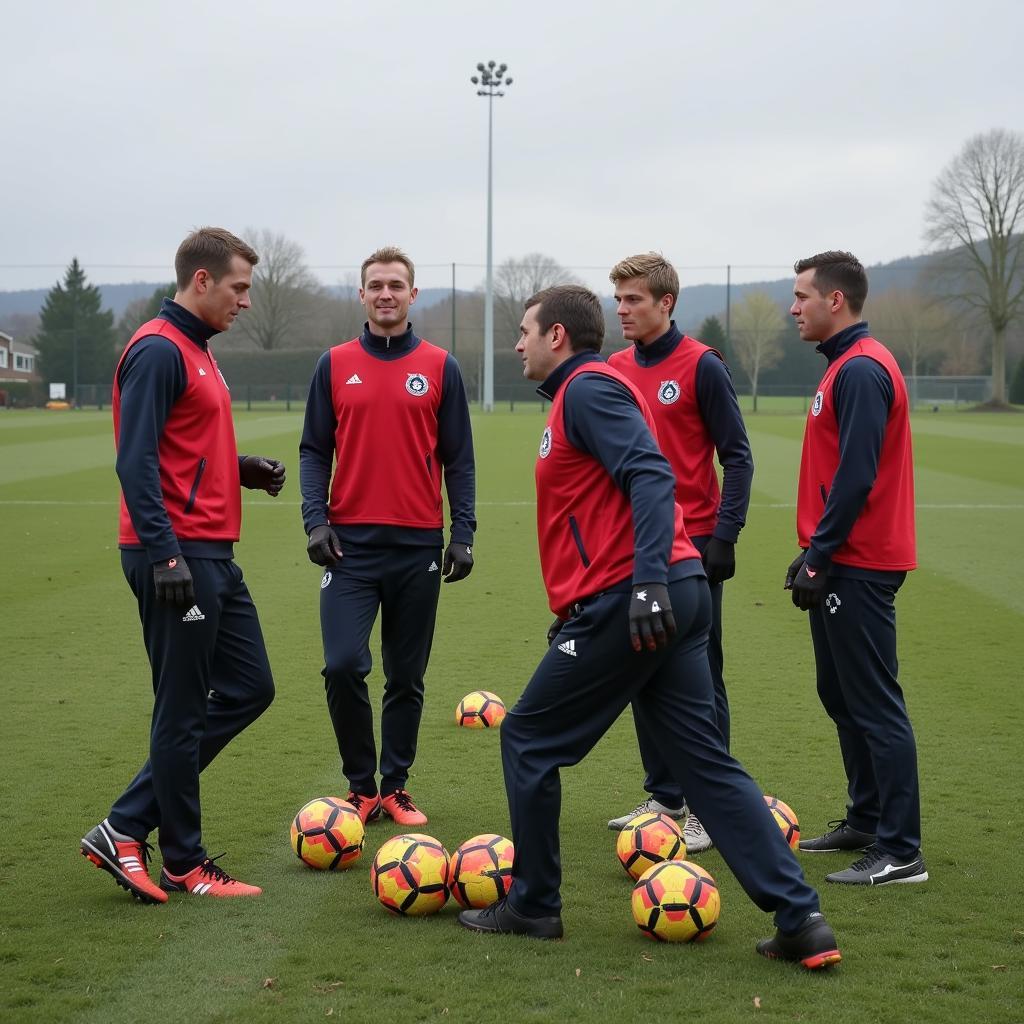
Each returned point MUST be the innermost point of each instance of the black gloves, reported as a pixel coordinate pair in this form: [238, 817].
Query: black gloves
[173, 582]
[719, 560]
[261, 474]
[458, 562]
[324, 547]
[794, 568]
[651, 622]
[809, 587]
[554, 629]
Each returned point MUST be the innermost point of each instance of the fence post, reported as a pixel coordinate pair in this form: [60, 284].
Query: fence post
[288, 398]
[248, 398]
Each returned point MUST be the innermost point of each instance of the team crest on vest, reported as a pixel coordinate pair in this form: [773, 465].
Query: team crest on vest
[668, 392]
[545, 443]
[416, 384]
[819, 400]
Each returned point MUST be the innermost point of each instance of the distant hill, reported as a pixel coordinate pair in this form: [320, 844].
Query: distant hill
[118, 297]
[695, 301]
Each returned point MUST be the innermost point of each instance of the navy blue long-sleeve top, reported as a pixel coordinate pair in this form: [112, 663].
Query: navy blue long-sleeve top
[720, 410]
[602, 419]
[862, 395]
[454, 445]
[152, 378]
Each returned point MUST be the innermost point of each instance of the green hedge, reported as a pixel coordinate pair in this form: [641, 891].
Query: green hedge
[291, 368]
[1017, 384]
[22, 393]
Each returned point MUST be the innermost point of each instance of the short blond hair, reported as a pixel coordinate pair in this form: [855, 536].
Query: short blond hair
[660, 276]
[388, 254]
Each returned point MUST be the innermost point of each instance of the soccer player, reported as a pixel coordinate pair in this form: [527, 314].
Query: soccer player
[855, 525]
[630, 589]
[181, 513]
[690, 393]
[388, 411]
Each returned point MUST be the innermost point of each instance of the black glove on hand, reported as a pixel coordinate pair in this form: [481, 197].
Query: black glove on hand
[458, 562]
[554, 629]
[323, 548]
[794, 568]
[260, 474]
[719, 560]
[809, 587]
[651, 622]
[173, 582]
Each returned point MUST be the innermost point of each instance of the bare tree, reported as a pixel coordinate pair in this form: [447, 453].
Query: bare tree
[285, 293]
[913, 325]
[961, 358]
[757, 326]
[516, 280]
[977, 205]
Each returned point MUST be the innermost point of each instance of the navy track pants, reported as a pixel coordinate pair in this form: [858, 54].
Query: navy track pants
[854, 637]
[660, 782]
[573, 699]
[211, 679]
[403, 583]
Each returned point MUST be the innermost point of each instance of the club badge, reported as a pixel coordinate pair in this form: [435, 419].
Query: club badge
[545, 443]
[819, 400]
[326, 581]
[417, 385]
[668, 392]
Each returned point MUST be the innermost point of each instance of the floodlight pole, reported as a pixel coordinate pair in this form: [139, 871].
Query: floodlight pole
[490, 79]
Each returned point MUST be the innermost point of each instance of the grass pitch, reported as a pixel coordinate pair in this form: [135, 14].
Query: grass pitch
[76, 701]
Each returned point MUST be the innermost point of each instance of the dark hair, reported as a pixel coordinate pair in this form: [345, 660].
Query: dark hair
[209, 249]
[836, 271]
[577, 309]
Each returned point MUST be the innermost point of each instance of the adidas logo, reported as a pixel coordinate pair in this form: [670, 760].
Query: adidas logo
[433, 567]
[202, 372]
[354, 379]
[132, 864]
[193, 615]
[569, 647]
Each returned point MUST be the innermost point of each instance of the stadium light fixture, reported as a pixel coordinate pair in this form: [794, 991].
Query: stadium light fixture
[491, 82]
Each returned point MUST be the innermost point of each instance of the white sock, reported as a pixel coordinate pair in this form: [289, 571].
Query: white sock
[119, 836]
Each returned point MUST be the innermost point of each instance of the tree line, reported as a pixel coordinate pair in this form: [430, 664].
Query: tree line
[974, 220]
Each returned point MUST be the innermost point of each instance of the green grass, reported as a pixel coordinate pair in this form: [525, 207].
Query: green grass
[76, 701]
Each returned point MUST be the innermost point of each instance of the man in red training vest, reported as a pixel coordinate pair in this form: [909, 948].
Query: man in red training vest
[855, 527]
[630, 589]
[691, 396]
[387, 413]
[181, 513]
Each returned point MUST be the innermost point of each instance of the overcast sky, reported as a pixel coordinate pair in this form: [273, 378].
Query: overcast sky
[749, 133]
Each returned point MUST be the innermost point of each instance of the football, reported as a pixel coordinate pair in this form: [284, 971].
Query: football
[327, 834]
[481, 870]
[786, 820]
[676, 901]
[480, 709]
[409, 875]
[649, 839]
